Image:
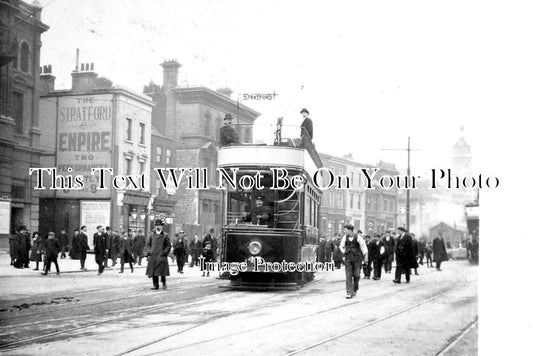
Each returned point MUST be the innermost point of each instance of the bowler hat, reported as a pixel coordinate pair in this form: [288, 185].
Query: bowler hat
[22, 227]
[348, 226]
[259, 198]
[304, 110]
[159, 222]
[228, 117]
[402, 229]
[51, 234]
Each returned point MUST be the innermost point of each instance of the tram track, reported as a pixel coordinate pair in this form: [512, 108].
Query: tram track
[255, 307]
[9, 345]
[376, 321]
[458, 337]
[213, 317]
[56, 309]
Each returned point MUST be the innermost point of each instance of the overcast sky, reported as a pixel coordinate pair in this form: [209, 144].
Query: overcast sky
[371, 73]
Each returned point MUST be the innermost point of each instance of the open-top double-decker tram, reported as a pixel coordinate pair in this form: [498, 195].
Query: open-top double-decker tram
[266, 229]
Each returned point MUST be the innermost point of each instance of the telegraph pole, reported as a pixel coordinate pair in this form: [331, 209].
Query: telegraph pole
[407, 195]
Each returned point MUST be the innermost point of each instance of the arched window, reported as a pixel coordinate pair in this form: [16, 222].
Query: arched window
[208, 124]
[24, 57]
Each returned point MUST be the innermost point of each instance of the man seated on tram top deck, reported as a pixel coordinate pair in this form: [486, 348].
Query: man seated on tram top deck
[260, 214]
[228, 135]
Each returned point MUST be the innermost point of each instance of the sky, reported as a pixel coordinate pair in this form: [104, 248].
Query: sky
[370, 73]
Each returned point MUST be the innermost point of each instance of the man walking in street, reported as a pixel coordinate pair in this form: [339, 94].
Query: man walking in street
[63, 242]
[53, 248]
[196, 250]
[100, 248]
[138, 247]
[355, 254]
[180, 250]
[158, 247]
[389, 249]
[405, 256]
[439, 251]
[377, 255]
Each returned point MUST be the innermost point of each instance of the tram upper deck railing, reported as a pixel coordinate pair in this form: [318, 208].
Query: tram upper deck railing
[276, 136]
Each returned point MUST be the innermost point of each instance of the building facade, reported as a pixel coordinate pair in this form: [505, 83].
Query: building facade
[192, 117]
[341, 206]
[381, 204]
[96, 125]
[20, 128]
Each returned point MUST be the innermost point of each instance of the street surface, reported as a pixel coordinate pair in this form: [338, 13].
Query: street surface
[81, 313]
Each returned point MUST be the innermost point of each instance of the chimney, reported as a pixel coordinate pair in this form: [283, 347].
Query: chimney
[170, 74]
[225, 91]
[85, 79]
[47, 79]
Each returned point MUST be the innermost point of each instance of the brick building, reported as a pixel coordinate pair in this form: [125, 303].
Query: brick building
[20, 129]
[381, 204]
[95, 124]
[340, 206]
[192, 117]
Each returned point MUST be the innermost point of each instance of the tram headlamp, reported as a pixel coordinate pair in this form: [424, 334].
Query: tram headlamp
[255, 247]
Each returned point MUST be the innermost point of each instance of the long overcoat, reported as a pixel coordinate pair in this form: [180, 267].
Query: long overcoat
[158, 248]
[100, 245]
[38, 248]
[125, 250]
[439, 250]
[405, 253]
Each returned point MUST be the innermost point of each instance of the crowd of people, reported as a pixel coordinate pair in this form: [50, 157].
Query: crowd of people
[371, 254]
[377, 253]
[109, 246]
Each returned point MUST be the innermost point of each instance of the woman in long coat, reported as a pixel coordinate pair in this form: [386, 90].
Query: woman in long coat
[158, 247]
[439, 251]
[37, 249]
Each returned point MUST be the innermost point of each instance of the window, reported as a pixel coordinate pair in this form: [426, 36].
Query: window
[141, 167]
[386, 203]
[248, 136]
[18, 112]
[158, 154]
[339, 202]
[167, 157]
[128, 129]
[351, 200]
[157, 187]
[128, 166]
[359, 201]
[351, 178]
[25, 57]
[331, 199]
[141, 132]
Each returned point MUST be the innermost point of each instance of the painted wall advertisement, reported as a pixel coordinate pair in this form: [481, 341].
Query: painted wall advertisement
[84, 141]
[92, 214]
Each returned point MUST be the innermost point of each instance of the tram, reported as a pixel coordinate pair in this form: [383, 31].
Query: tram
[279, 227]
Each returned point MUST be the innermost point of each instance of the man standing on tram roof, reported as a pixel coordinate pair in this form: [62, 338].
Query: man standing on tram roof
[353, 247]
[307, 125]
[228, 135]
[260, 214]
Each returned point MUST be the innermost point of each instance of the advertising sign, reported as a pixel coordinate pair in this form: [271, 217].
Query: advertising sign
[84, 141]
[94, 213]
[5, 216]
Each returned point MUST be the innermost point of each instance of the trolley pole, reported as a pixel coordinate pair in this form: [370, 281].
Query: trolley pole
[407, 195]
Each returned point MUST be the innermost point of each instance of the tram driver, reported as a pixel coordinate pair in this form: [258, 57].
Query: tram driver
[259, 215]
